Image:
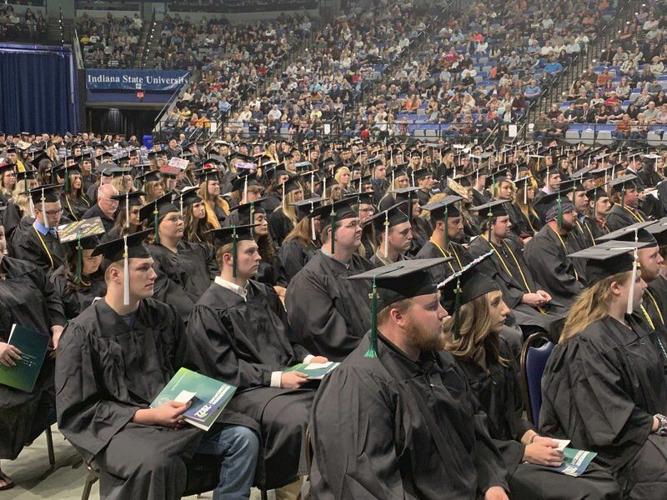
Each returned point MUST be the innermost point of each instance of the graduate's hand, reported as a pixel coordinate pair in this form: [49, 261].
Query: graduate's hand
[543, 451]
[56, 332]
[167, 414]
[532, 299]
[9, 354]
[495, 493]
[293, 380]
[545, 296]
[319, 359]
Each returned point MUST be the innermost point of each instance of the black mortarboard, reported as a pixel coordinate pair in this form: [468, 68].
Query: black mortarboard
[636, 231]
[495, 177]
[131, 199]
[447, 205]
[6, 167]
[130, 246]
[552, 206]
[245, 213]
[421, 173]
[624, 182]
[155, 211]
[613, 257]
[306, 208]
[232, 234]
[466, 285]
[495, 208]
[114, 250]
[187, 196]
[242, 182]
[207, 174]
[45, 194]
[401, 280]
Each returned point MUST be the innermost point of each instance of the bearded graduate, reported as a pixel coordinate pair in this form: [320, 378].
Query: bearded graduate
[397, 419]
[240, 332]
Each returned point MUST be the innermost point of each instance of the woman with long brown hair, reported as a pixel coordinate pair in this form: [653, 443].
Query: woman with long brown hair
[302, 241]
[127, 217]
[217, 208]
[73, 199]
[283, 219]
[472, 334]
[604, 385]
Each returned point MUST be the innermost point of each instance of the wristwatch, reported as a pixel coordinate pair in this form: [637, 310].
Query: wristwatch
[662, 424]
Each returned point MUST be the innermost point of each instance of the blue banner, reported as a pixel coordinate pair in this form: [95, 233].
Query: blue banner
[152, 80]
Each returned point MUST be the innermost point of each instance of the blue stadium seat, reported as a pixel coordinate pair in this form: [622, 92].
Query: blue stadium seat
[533, 361]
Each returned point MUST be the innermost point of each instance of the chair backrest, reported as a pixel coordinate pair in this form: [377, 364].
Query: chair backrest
[534, 356]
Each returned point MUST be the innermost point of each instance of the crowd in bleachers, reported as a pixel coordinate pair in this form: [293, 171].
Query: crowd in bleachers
[624, 93]
[109, 42]
[240, 5]
[16, 26]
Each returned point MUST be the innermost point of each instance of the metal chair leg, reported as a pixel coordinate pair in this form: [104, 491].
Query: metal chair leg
[49, 447]
[90, 481]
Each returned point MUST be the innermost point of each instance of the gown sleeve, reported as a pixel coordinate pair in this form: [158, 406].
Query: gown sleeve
[86, 418]
[354, 444]
[213, 352]
[51, 297]
[608, 414]
[315, 320]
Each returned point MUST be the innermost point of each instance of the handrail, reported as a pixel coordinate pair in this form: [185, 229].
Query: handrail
[77, 50]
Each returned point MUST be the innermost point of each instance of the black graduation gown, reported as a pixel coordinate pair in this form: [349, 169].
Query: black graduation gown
[329, 314]
[242, 342]
[28, 244]
[182, 277]
[294, 255]
[600, 389]
[515, 279]
[388, 427]
[95, 211]
[496, 388]
[106, 370]
[10, 217]
[76, 298]
[26, 298]
[520, 225]
[423, 196]
[460, 257]
[623, 216]
[279, 226]
[580, 238]
[545, 257]
[479, 198]
[75, 208]
[380, 187]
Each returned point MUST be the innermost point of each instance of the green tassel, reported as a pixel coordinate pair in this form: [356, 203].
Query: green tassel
[559, 216]
[66, 181]
[489, 216]
[79, 260]
[446, 228]
[235, 250]
[456, 329]
[372, 351]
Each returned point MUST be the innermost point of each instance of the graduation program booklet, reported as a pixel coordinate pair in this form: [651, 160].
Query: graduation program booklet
[575, 462]
[208, 397]
[33, 346]
[315, 371]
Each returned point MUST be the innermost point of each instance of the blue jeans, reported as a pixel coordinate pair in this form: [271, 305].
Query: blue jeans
[239, 447]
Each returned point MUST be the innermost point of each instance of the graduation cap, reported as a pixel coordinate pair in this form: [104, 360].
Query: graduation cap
[243, 182]
[79, 236]
[307, 208]
[406, 194]
[128, 200]
[45, 194]
[442, 210]
[634, 232]
[155, 211]
[401, 280]
[130, 246]
[291, 184]
[150, 176]
[614, 257]
[187, 196]
[421, 173]
[207, 174]
[231, 234]
[659, 231]
[245, 213]
[621, 184]
[553, 205]
[6, 167]
[339, 210]
[491, 210]
[495, 177]
[464, 286]
[389, 218]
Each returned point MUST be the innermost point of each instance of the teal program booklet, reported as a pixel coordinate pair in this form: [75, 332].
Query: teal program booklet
[33, 346]
[315, 371]
[575, 462]
[208, 397]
